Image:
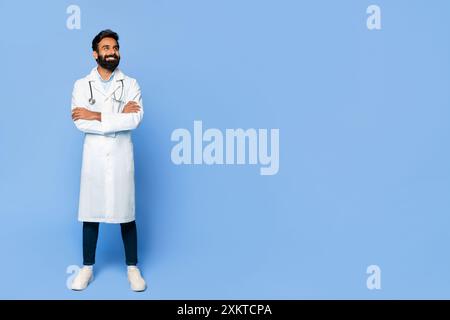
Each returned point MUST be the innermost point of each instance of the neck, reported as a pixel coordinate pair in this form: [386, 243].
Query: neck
[104, 73]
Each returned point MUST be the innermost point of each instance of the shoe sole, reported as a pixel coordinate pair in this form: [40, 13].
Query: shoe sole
[89, 282]
[139, 290]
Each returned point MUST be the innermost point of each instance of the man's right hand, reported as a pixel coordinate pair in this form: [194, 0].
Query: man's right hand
[131, 106]
[80, 113]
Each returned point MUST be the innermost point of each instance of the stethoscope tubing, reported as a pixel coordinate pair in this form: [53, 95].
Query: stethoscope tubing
[92, 100]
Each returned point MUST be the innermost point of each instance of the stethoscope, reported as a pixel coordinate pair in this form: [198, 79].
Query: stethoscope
[92, 100]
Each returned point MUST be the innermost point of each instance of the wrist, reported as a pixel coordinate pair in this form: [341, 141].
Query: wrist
[97, 116]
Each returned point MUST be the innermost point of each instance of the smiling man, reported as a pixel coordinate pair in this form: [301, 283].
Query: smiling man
[107, 106]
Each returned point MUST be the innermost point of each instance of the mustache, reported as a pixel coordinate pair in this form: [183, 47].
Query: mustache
[110, 61]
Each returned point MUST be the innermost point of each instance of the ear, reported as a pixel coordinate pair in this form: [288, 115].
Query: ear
[95, 55]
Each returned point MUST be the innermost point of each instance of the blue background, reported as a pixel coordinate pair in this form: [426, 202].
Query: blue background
[364, 160]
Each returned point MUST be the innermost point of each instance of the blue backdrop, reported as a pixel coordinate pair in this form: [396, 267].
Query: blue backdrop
[364, 175]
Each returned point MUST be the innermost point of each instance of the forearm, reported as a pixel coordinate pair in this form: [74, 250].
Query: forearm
[90, 126]
[97, 116]
[113, 122]
[88, 121]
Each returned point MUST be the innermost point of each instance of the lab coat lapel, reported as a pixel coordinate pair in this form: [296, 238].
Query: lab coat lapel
[117, 83]
[93, 77]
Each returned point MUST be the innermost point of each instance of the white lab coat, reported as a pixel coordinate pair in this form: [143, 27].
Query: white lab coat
[107, 174]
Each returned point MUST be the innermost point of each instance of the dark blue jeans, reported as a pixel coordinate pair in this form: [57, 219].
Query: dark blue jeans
[129, 237]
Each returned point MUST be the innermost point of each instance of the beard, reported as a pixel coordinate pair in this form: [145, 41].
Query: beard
[110, 65]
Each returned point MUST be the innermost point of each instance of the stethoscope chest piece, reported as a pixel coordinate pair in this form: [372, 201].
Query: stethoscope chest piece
[91, 99]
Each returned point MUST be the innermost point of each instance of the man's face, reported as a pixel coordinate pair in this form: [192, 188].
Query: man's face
[108, 55]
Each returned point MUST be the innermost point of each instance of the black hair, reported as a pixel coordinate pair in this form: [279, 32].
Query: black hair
[104, 34]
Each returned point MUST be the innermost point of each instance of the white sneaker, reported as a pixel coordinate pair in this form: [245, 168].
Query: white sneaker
[137, 283]
[83, 278]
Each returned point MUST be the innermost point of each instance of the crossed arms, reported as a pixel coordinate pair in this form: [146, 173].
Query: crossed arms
[105, 123]
[80, 113]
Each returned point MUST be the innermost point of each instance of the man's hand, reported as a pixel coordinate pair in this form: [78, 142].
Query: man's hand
[85, 114]
[130, 107]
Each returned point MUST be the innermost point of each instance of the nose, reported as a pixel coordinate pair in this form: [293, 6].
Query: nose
[111, 51]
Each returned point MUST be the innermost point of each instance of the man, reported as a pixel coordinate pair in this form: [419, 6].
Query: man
[106, 106]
